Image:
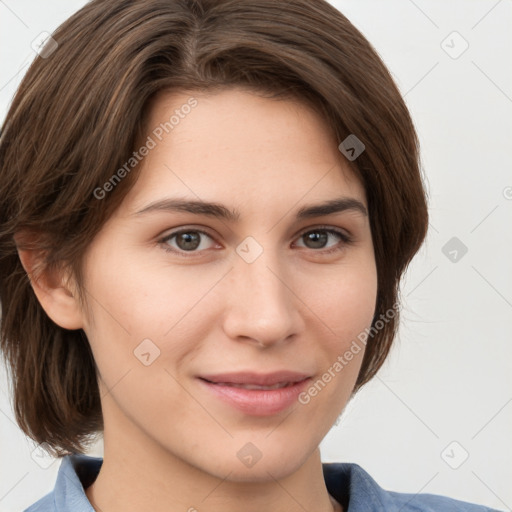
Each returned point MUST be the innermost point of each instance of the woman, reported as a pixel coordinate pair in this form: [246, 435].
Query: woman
[207, 207]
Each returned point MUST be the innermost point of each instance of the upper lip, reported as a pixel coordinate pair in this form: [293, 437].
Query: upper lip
[257, 379]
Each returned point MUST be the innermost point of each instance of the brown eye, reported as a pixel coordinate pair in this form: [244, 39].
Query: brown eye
[317, 239]
[190, 240]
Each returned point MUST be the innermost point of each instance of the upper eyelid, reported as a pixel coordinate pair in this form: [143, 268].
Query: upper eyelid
[325, 227]
[177, 231]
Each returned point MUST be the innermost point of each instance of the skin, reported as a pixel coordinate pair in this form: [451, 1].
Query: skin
[169, 445]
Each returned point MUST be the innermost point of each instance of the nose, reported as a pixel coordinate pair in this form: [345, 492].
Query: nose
[261, 306]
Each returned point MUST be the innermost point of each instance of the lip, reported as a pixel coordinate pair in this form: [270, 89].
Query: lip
[256, 402]
[258, 379]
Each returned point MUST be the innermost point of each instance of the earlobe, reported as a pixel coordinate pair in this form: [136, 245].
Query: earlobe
[53, 291]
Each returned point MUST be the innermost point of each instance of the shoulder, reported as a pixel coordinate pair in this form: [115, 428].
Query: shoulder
[433, 503]
[45, 504]
[76, 473]
[352, 486]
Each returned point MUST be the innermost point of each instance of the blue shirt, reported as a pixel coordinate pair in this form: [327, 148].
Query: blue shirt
[348, 483]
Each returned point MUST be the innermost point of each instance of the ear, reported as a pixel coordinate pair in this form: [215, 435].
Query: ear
[53, 290]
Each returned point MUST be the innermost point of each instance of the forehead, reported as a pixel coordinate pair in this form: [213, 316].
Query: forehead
[235, 145]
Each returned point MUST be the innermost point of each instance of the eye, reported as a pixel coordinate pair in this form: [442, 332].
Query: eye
[318, 238]
[186, 240]
[194, 241]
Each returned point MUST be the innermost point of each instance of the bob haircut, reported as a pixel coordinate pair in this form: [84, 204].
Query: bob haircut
[77, 118]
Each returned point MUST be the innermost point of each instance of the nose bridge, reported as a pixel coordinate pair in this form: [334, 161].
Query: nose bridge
[261, 305]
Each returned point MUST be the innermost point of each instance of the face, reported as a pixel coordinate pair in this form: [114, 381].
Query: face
[182, 294]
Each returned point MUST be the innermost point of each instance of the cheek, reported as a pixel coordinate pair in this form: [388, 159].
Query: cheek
[140, 293]
[133, 300]
[343, 300]
[344, 307]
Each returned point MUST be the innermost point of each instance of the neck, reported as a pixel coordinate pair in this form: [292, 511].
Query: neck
[138, 476]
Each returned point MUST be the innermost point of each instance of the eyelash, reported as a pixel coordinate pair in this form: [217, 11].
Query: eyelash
[345, 239]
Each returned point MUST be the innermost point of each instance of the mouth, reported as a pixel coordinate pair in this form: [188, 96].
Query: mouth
[256, 394]
[253, 386]
[278, 378]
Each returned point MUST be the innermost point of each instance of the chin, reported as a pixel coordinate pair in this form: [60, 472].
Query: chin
[266, 465]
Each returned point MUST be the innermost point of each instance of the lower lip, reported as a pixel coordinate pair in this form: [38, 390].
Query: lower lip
[258, 402]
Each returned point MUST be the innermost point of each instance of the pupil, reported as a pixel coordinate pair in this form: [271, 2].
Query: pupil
[191, 241]
[318, 239]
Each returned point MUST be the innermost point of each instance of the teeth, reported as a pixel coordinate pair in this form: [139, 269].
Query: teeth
[254, 386]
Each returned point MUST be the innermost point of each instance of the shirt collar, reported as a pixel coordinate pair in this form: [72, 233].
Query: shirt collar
[348, 483]
[76, 473]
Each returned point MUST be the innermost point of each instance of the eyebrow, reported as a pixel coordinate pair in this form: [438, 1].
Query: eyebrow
[217, 210]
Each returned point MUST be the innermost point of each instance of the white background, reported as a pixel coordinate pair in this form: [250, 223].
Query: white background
[450, 374]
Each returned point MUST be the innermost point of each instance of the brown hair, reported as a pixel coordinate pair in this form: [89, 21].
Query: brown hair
[79, 112]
